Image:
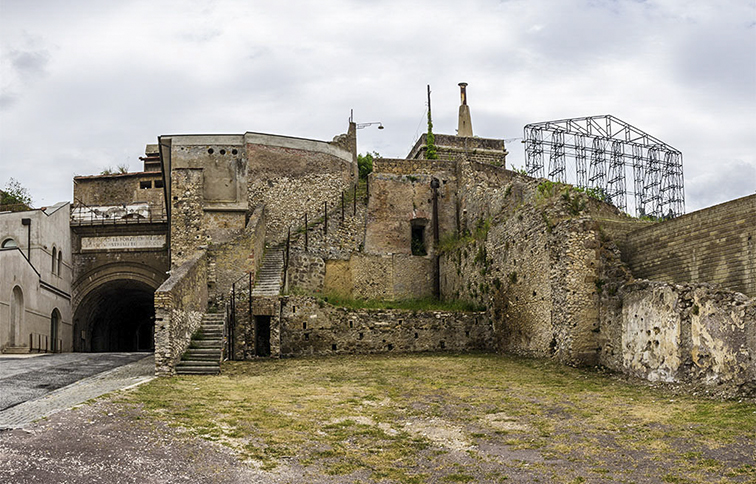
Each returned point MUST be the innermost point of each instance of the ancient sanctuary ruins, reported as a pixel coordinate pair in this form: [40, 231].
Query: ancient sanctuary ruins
[240, 239]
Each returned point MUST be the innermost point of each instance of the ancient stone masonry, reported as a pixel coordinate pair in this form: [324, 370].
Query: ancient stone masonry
[463, 148]
[180, 303]
[241, 255]
[311, 327]
[689, 332]
[291, 176]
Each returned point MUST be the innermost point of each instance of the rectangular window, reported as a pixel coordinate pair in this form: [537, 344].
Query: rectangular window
[145, 184]
[418, 240]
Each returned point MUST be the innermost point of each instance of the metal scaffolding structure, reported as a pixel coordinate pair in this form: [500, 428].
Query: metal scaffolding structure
[605, 149]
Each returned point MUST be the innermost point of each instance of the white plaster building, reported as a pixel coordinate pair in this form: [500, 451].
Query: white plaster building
[35, 280]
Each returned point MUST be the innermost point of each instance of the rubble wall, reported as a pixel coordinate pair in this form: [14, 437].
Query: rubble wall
[311, 327]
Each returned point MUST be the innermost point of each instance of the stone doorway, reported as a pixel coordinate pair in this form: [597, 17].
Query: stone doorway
[262, 336]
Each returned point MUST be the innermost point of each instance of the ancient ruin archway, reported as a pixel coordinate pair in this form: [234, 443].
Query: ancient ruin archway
[118, 315]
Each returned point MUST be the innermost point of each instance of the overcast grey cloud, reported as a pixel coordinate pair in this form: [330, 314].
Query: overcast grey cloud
[86, 84]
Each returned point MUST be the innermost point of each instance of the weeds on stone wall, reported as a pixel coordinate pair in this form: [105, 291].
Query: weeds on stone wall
[452, 242]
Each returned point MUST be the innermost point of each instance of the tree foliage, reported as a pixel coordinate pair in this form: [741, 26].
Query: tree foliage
[365, 163]
[15, 196]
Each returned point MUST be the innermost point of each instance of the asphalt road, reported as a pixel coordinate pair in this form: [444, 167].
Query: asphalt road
[24, 378]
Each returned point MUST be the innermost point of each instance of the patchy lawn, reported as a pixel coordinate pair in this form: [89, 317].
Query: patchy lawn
[453, 418]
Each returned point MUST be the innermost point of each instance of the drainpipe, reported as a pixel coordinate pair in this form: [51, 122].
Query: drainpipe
[27, 223]
[437, 277]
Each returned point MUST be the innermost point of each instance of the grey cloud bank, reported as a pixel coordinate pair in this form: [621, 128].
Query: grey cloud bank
[84, 85]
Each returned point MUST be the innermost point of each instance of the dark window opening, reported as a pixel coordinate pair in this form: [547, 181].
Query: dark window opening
[418, 240]
[333, 347]
[158, 184]
[304, 325]
[145, 184]
[307, 336]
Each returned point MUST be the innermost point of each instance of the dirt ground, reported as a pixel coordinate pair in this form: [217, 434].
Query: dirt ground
[419, 419]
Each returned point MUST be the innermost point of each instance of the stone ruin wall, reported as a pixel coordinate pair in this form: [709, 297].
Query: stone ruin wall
[298, 177]
[491, 152]
[117, 189]
[180, 303]
[534, 269]
[696, 333]
[229, 260]
[311, 327]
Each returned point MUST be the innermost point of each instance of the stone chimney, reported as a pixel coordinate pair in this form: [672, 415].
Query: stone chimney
[464, 123]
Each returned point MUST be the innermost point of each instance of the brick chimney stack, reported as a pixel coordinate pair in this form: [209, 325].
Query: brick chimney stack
[464, 123]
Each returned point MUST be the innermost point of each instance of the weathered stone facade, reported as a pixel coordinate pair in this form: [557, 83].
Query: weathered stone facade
[311, 327]
[180, 303]
[688, 332]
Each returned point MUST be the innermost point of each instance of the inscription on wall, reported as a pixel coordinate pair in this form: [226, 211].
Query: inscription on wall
[123, 242]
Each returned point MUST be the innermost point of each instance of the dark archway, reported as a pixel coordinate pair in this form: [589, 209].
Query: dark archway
[118, 315]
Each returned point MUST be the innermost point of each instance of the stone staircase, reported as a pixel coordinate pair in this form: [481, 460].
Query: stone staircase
[268, 281]
[206, 348]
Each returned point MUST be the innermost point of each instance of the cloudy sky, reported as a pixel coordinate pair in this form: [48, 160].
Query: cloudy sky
[84, 85]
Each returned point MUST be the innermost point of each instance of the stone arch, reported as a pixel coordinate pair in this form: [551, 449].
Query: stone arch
[114, 308]
[17, 312]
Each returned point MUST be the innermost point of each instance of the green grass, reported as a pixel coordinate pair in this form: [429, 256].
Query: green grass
[457, 418]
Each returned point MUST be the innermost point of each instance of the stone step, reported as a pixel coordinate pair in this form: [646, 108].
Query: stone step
[197, 370]
[206, 344]
[203, 363]
[202, 354]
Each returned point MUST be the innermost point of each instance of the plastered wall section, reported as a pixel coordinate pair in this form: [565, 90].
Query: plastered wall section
[180, 303]
[714, 245]
[689, 333]
[312, 327]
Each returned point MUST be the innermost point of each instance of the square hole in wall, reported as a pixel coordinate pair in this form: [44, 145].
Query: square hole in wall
[304, 325]
[390, 347]
[307, 336]
[415, 335]
[145, 184]
[467, 334]
[351, 324]
[333, 347]
[442, 344]
[361, 335]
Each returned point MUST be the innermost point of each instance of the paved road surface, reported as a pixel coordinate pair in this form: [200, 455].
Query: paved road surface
[32, 388]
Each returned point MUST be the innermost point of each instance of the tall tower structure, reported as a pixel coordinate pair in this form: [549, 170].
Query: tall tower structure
[464, 123]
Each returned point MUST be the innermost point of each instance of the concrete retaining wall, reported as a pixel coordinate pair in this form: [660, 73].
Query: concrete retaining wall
[714, 245]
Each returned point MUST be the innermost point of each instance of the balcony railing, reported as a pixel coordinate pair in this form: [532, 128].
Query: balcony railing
[126, 214]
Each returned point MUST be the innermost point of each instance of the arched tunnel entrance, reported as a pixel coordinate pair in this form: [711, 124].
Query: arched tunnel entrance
[118, 315]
